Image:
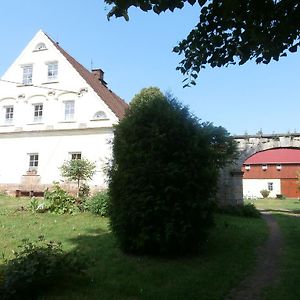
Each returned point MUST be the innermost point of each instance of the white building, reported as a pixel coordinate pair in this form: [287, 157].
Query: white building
[53, 109]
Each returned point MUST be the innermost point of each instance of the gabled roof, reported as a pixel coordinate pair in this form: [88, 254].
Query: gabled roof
[117, 105]
[275, 156]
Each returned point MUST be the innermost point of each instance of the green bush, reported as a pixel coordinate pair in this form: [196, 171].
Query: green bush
[59, 201]
[98, 204]
[243, 210]
[265, 193]
[37, 267]
[84, 191]
[163, 176]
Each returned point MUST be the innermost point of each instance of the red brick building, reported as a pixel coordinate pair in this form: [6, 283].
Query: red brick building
[275, 170]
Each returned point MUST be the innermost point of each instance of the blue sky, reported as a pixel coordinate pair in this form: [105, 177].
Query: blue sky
[137, 54]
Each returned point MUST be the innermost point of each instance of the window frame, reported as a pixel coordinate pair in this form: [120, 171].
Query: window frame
[52, 71]
[38, 110]
[69, 111]
[33, 161]
[8, 115]
[75, 155]
[27, 74]
[270, 186]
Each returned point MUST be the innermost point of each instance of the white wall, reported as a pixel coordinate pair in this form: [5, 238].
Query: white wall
[252, 187]
[53, 148]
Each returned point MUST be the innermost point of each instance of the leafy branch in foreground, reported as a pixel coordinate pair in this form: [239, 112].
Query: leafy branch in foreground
[228, 31]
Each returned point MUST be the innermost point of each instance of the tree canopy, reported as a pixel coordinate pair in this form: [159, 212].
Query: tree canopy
[229, 31]
[78, 170]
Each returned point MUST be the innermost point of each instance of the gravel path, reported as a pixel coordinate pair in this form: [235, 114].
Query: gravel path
[267, 269]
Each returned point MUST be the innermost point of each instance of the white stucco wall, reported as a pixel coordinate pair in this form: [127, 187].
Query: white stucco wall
[252, 187]
[53, 148]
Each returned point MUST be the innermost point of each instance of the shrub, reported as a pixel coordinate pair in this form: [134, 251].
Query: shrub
[84, 191]
[98, 204]
[265, 193]
[36, 267]
[163, 176]
[243, 210]
[60, 202]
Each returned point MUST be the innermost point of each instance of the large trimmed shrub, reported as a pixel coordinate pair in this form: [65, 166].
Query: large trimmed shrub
[163, 176]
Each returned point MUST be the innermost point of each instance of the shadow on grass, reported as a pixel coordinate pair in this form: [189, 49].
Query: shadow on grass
[228, 255]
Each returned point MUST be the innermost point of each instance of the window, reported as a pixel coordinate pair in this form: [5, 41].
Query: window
[270, 186]
[38, 112]
[75, 155]
[33, 161]
[247, 167]
[27, 74]
[40, 46]
[264, 167]
[69, 110]
[278, 167]
[52, 70]
[100, 115]
[9, 114]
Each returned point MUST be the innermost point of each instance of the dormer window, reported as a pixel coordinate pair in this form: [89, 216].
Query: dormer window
[40, 46]
[52, 70]
[100, 115]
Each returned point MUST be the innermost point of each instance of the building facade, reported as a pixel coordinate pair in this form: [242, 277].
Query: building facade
[275, 170]
[53, 109]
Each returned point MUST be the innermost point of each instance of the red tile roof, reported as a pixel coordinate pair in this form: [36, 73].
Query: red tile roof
[275, 156]
[117, 105]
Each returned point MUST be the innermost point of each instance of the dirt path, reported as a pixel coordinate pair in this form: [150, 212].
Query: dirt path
[266, 271]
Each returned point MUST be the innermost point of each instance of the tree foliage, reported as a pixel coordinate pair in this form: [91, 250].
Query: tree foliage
[78, 170]
[163, 176]
[229, 31]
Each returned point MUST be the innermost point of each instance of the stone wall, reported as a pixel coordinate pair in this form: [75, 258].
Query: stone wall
[230, 186]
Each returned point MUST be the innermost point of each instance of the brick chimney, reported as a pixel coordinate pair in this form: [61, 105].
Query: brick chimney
[99, 74]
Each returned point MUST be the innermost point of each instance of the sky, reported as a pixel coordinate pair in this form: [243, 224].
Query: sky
[138, 54]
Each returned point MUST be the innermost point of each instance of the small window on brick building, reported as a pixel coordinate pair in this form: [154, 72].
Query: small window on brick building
[247, 167]
[270, 186]
[264, 167]
[278, 167]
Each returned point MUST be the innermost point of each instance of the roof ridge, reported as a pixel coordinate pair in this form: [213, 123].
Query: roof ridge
[116, 104]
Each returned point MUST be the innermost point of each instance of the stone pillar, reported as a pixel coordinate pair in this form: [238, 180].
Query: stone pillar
[230, 186]
[236, 193]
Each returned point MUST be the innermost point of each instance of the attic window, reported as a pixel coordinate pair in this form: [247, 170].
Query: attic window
[100, 115]
[40, 47]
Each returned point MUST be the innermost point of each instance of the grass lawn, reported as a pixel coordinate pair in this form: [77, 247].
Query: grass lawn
[276, 204]
[223, 262]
